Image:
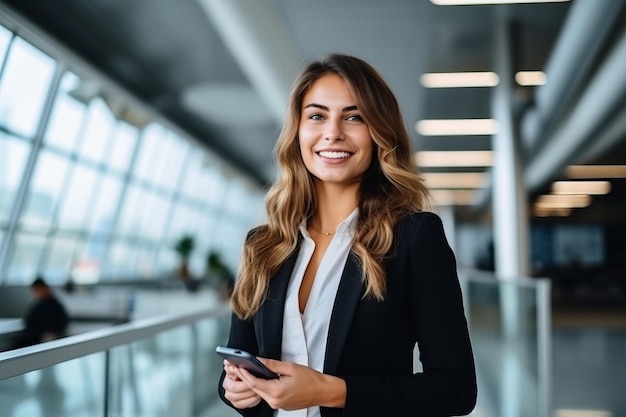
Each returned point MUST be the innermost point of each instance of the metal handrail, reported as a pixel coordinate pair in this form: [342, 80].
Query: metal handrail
[23, 360]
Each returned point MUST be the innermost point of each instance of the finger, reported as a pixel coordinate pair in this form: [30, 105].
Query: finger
[242, 399]
[280, 367]
[231, 372]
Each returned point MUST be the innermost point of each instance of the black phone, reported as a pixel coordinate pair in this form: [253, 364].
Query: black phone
[246, 360]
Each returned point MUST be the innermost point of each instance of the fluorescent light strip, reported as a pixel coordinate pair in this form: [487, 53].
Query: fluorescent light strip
[581, 187]
[452, 197]
[454, 180]
[456, 127]
[531, 78]
[556, 205]
[547, 212]
[454, 158]
[563, 200]
[481, 2]
[459, 79]
[582, 413]
[596, 171]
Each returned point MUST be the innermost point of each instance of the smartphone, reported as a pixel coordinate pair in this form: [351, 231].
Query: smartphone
[246, 360]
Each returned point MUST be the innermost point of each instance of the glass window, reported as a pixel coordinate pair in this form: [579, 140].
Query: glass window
[213, 186]
[45, 189]
[87, 261]
[121, 260]
[13, 156]
[154, 223]
[151, 149]
[134, 209]
[145, 262]
[192, 174]
[166, 262]
[24, 258]
[107, 200]
[169, 169]
[5, 38]
[77, 198]
[23, 88]
[182, 222]
[57, 266]
[98, 130]
[67, 115]
[123, 145]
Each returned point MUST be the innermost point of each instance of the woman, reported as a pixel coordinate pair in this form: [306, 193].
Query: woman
[349, 273]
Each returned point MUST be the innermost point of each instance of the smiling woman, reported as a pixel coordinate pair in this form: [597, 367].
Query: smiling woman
[335, 142]
[349, 272]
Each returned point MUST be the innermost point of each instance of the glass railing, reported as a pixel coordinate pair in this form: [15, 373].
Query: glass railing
[160, 366]
[166, 365]
[510, 326]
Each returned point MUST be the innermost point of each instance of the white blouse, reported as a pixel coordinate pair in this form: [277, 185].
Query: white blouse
[305, 335]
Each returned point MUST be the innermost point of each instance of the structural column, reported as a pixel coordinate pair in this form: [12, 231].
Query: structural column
[510, 213]
[510, 224]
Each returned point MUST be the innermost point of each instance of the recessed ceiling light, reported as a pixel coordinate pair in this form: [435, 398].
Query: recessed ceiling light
[596, 171]
[456, 127]
[581, 187]
[479, 2]
[454, 158]
[454, 180]
[530, 78]
[459, 79]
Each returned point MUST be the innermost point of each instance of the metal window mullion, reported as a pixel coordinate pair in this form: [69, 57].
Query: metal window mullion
[3, 65]
[18, 204]
[73, 157]
[53, 230]
[176, 198]
[122, 197]
[103, 170]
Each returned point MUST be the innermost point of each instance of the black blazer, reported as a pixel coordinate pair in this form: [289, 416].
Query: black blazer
[370, 343]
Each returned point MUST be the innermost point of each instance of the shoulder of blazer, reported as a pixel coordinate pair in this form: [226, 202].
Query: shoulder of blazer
[413, 221]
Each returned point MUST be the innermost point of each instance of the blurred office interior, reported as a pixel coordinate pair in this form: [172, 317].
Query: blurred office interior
[136, 142]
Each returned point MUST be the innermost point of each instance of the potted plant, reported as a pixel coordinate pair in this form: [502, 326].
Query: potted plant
[219, 275]
[184, 246]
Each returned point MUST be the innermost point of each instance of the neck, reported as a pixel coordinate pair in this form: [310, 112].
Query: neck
[332, 209]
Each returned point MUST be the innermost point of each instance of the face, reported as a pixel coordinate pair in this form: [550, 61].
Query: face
[335, 142]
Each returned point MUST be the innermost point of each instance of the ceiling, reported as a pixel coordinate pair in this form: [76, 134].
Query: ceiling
[222, 69]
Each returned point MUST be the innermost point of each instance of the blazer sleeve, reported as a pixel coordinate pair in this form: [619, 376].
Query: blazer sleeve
[242, 336]
[447, 385]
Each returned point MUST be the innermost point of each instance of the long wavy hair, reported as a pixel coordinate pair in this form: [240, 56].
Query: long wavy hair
[391, 187]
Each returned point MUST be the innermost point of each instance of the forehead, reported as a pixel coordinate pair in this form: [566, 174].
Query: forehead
[329, 87]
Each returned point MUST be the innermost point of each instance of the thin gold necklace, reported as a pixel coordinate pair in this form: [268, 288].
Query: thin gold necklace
[321, 233]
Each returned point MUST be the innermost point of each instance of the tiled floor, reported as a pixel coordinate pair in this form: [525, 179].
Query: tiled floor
[590, 370]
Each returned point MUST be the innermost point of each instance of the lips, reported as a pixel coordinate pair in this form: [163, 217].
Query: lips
[334, 154]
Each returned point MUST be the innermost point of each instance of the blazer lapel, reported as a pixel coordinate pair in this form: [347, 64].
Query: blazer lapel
[270, 315]
[349, 294]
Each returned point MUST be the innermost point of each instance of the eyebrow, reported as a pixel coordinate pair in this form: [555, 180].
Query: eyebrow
[322, 107]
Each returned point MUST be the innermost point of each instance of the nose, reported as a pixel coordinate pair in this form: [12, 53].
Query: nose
[334, 130]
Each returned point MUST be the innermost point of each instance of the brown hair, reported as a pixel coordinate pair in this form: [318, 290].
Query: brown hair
[390, 190]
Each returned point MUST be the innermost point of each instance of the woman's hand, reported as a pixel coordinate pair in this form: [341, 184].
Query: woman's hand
[298, 386]
[236, 390]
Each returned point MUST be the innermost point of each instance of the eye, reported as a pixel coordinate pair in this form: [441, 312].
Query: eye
[354, 118]
[316, 116]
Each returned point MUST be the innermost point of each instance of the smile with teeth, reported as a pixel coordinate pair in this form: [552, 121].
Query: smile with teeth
[334, 154]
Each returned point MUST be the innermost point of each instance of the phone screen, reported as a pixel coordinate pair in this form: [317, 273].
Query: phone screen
[246, 360]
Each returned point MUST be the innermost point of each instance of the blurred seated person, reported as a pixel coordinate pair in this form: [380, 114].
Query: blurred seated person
[46, 318]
